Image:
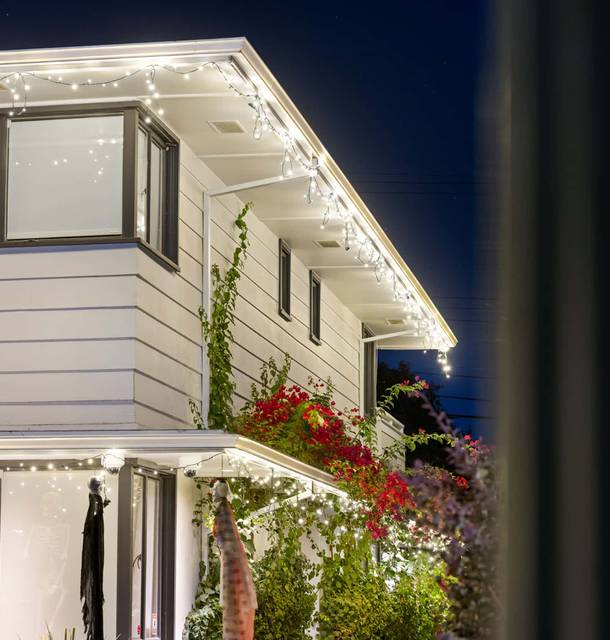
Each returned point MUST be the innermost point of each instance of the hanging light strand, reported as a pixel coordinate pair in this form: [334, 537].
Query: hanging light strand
[264, 121]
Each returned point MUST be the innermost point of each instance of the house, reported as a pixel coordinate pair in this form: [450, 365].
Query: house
[122, 169]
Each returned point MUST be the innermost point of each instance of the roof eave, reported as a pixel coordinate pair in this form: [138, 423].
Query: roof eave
[248, 55]
[242, 51]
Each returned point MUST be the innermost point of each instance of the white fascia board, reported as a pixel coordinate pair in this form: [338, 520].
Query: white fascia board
[222, 47]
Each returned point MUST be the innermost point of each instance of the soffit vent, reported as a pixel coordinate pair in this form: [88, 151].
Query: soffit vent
[395, 321]
[226, 126]
[327, 244]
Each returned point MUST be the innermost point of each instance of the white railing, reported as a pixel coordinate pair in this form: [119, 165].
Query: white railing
[389, 430]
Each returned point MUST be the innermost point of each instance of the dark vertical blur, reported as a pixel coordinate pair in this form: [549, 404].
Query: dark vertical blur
[554, 350]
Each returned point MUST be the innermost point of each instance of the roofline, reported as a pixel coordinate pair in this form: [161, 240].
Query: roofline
[240, 49]
[215, 47]
[255, 61]
[62, 445]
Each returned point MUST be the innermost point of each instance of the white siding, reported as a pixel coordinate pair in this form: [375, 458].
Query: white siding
[67, 333]
[105, 335]
[260, 331]
[101, 335]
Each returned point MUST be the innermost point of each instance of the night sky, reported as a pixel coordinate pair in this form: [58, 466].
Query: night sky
[397, 93]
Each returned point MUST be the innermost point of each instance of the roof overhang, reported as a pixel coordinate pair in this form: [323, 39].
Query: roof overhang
[371, 277]
[216, 453]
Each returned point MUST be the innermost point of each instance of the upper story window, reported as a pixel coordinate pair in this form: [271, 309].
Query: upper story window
[284, 279]
[315, 300]
[89, 171]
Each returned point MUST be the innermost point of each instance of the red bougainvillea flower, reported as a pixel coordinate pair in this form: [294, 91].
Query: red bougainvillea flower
[327, 433]
[461, 482]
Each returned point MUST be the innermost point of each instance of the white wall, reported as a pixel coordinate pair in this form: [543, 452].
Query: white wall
[100, 335]
[40, 556]
[103, 335]
[260, 331]
[188, 551]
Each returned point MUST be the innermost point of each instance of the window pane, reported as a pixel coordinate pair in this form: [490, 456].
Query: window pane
[315, 308]
[157, 164]
[142, 220]
[137, 517]
[65, 177]
[41, 535]
[153, 584]
[285, 281]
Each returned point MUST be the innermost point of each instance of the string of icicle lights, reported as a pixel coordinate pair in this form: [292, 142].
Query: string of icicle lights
[335, 209]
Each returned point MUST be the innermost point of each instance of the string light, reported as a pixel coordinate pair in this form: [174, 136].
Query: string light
[264, 120]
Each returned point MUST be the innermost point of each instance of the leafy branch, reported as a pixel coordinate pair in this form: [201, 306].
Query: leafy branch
[218, 335]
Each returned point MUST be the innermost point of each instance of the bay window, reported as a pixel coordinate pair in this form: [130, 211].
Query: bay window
[84, 172]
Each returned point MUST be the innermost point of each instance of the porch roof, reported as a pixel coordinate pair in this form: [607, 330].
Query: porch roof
[216, 453]
[213, 93]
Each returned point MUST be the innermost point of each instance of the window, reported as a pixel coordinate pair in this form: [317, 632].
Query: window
[284, 280]
[145, 597]
[41, 533]
[65, 177]
[369, 373]
[151, 190]
[89, 171]
[314, 307]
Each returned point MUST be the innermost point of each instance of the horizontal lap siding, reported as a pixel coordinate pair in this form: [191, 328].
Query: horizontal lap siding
[168, 353]
[106, 335]
[102, 334]
[259, 330]
[67, 336]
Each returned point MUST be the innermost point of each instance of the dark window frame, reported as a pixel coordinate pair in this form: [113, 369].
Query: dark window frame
[284, 288]
[315, 307]
[167, 541]
[369, 373]
[135, 116]
[167, 549]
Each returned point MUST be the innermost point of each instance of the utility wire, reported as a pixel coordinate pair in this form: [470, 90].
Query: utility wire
[440, 395]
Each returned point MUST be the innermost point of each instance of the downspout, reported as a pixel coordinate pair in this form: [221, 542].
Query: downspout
[206, 301]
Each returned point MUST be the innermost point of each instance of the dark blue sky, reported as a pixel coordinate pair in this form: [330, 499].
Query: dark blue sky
[395, 92]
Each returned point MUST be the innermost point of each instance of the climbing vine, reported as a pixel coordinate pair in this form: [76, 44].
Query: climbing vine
[217, 328]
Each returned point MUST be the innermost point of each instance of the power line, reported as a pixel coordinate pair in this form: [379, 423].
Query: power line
[465, 298]
[457, 375]
[467, 320]
[411, 181]
[466, 416]
[425, 193]
[440, 395]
